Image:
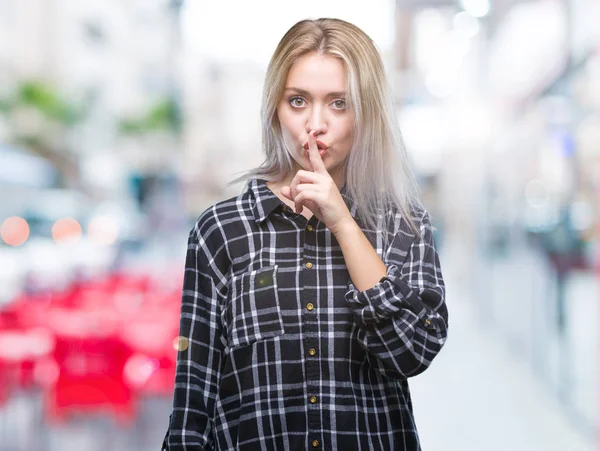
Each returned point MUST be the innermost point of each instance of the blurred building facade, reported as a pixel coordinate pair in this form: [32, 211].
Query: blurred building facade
[113, 62]
[503, 127]
[222, 134]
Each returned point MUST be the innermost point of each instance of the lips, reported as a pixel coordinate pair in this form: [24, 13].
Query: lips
[321, 146]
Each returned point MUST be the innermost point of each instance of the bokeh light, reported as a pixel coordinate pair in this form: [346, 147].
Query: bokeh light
[180, 343]
[66, 229]
[14, 231]
[103, 230]
[138, 369]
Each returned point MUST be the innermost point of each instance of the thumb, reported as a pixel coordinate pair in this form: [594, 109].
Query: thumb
[286, 192]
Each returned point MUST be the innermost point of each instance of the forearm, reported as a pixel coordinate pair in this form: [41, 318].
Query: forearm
[404, 318]
[364, 265]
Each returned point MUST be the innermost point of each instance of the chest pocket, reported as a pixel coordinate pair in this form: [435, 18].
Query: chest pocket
[253, 312]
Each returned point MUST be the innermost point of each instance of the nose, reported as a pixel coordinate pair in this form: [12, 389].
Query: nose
[316, 121]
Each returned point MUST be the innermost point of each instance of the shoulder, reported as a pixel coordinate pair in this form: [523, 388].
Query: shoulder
[214, 223]
[411, 220]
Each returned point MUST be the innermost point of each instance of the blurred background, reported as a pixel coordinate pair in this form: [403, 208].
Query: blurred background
[122, 120]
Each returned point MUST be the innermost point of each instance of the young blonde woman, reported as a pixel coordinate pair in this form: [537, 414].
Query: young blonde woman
[313, 296]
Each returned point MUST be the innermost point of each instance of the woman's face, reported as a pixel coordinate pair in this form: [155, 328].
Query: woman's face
[314, 99]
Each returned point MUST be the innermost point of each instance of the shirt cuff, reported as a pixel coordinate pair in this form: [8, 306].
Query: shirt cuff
[388, 297]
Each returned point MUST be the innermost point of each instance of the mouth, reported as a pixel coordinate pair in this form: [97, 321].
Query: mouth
[320, 145]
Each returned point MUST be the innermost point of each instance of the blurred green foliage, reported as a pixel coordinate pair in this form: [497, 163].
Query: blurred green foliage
[164, 115]
[44, 98]
[48, 102]
[59, 113]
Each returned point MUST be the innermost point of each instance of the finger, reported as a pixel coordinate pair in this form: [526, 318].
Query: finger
[300, 178]
[298, 206]
[286, 192]
[314, 156]
[307, 176]
[302, 189]
[305, 198]
[293, 191]
[306, 187]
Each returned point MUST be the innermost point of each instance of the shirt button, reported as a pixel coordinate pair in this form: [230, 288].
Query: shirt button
[310, 307]
[309, 228]
[312, 351]
[313, 399]
[427, 322]
[315, 443]
[309, 265]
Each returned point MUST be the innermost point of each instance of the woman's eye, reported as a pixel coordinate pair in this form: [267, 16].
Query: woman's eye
[340, 104]
[296, 101]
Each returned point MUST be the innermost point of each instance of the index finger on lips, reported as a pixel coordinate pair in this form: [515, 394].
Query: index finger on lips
[313, 154]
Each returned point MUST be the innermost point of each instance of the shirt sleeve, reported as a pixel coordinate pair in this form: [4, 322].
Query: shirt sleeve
[403, 319]
[200, 348]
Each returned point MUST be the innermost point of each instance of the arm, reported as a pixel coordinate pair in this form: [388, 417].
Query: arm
[364, 265]
[402, 314]
[398, 302]
[198, 363]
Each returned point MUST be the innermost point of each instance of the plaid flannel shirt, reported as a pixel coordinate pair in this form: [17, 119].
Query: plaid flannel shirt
[283, 352]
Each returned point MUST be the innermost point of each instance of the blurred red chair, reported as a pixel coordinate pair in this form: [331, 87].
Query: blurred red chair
[90, 358]
[24, 342]
[94, 346]
[152, 336]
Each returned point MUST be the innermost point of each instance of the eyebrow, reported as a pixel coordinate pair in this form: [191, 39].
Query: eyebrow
[306, 93]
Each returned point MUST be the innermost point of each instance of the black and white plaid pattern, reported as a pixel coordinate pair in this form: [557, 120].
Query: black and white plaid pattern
[284, 353]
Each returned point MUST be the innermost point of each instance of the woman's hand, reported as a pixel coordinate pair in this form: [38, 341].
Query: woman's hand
[318, 192]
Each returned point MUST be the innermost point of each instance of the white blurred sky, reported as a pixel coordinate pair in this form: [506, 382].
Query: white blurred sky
[250, 30]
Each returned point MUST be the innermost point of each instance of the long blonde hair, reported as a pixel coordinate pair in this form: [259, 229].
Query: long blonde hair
[377, 169]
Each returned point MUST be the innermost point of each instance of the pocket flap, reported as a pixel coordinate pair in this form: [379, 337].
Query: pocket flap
[253, 311]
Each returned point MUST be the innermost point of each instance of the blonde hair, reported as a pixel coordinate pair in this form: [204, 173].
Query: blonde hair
[378, 175]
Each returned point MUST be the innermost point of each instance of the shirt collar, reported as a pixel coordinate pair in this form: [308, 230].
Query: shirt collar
[266, 202]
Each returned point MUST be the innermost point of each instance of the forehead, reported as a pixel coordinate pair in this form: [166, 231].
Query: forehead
[318, 74]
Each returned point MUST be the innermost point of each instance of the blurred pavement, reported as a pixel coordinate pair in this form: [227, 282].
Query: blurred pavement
[479, 395]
